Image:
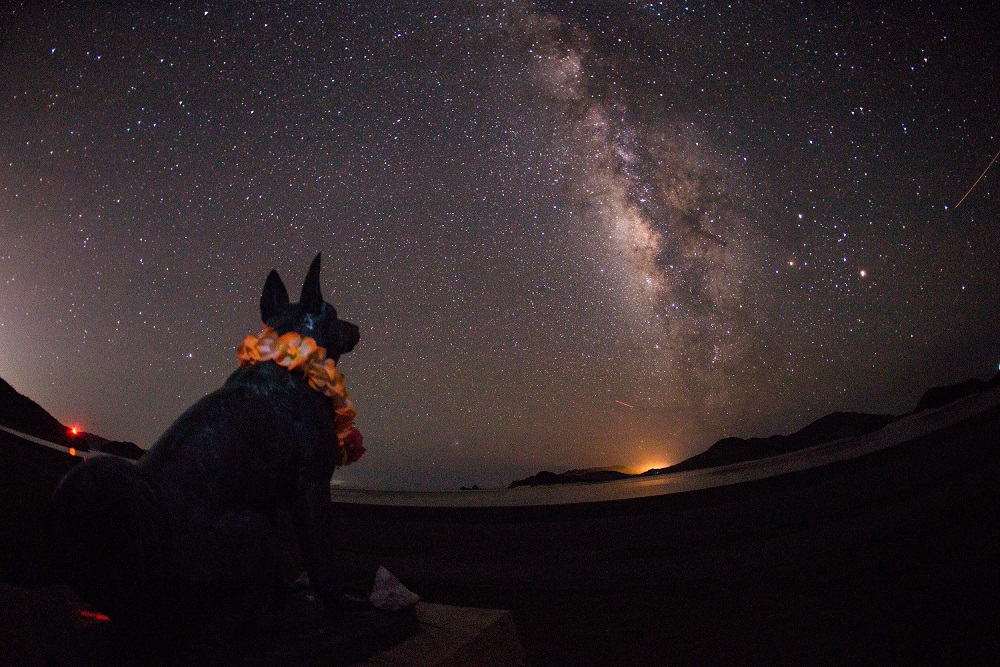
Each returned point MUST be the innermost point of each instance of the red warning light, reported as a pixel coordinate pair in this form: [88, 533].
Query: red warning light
[94, 615]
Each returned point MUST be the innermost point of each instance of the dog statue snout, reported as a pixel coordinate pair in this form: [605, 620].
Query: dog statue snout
[349, 336]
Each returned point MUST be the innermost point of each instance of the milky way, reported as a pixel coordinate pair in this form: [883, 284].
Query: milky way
[660, 216]
[571, 234]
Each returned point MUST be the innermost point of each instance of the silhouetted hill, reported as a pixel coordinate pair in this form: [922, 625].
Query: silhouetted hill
[588, 476]
[935, 397]
[834, 426]
[20, 413]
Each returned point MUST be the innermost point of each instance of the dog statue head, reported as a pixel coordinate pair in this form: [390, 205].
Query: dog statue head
[311, 316]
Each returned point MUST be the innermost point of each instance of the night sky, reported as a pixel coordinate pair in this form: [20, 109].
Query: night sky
[572, 234]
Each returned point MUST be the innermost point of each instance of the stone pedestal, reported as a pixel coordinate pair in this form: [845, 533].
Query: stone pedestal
[456, 636]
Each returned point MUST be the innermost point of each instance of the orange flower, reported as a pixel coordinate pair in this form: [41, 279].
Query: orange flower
[247, 351]
[336, 381]
[318, 375]
[267, 344]
[345, 411]
[287, 349]
[258, 348]
[309, 353]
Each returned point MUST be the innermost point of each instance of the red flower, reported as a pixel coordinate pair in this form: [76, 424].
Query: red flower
[350, 447]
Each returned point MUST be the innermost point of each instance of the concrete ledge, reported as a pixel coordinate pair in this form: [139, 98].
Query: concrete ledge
[456, 636]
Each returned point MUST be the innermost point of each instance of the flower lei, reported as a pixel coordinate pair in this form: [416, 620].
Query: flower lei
[300, 354]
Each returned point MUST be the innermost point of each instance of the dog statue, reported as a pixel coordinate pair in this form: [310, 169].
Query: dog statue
[186, 536]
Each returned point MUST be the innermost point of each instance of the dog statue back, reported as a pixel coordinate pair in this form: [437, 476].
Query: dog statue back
[186, 537]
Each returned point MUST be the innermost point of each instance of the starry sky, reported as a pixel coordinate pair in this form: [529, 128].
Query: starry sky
[572, 233]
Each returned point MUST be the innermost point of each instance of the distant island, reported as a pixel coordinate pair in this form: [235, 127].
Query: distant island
[833, 426]
[20, 413]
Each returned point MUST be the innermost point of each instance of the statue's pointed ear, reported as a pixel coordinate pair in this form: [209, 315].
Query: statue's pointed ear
[274, 297]
[311, 299]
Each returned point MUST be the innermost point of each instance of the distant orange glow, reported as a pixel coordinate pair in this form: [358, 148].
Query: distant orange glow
[650, 465]
[74, 430]
[72, 451]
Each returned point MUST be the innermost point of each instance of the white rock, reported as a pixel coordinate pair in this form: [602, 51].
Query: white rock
[390, 595]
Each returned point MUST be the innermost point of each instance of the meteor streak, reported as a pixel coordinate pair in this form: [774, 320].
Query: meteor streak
[625, 404]
[977, 180]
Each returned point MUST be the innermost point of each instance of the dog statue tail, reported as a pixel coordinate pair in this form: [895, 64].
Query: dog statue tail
[105, 538]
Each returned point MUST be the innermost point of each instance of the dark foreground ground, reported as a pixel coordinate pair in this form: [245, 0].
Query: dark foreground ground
[930, 599]
[914, 604]
[919, 591]
[917, 603]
